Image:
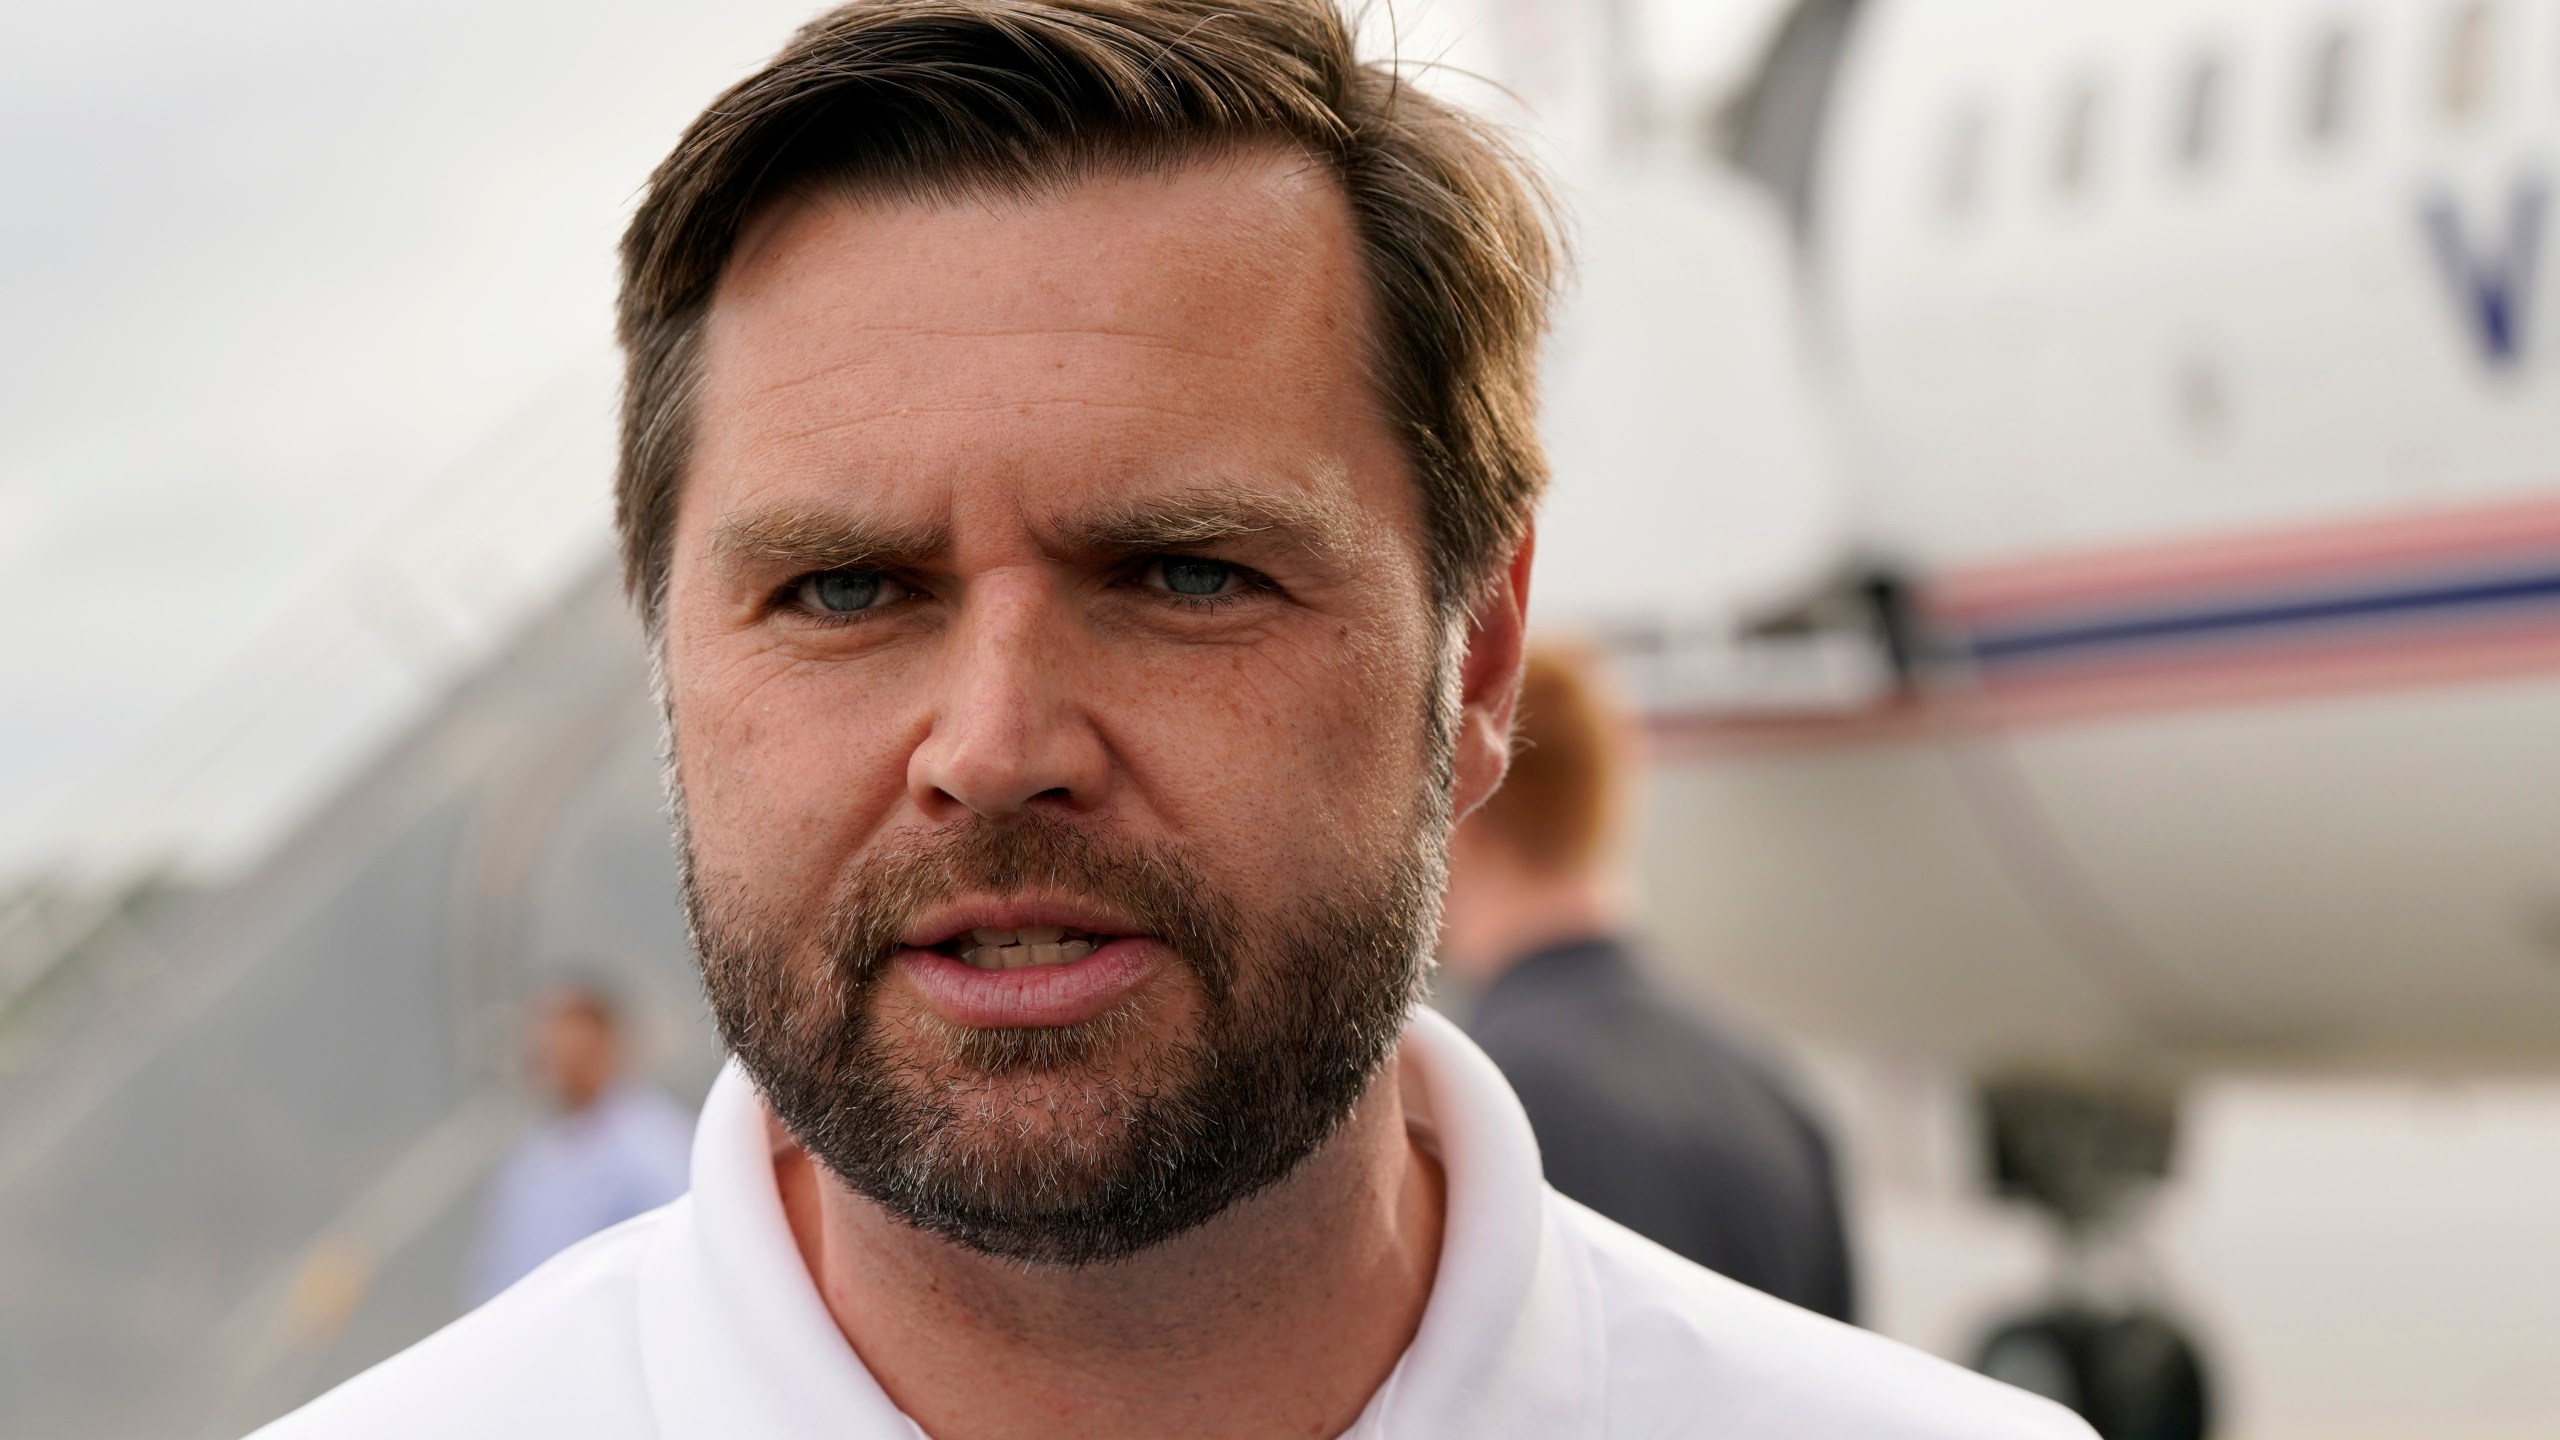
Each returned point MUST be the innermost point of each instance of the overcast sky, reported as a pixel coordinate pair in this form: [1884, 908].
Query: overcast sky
[306, 342]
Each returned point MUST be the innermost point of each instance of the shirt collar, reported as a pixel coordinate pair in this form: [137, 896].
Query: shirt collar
[1509, 1342]
[737, 1342]
[734, 1337]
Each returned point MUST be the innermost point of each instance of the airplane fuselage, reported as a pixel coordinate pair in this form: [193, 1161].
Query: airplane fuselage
[2203, 388]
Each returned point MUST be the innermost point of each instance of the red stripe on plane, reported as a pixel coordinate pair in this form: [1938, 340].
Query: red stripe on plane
[2327, 667]
[2478, 535]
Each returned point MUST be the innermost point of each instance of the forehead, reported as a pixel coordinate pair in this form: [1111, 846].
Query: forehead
[1203, 320]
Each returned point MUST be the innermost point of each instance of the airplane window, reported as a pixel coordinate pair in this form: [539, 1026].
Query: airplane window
[2332, 83]
[1960, 182]
[2469, 47]
[2075, 144]
[2200, 113]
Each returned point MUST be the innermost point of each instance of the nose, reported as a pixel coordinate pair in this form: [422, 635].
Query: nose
[1010, 729]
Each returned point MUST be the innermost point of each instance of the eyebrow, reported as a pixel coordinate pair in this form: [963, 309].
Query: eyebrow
[800, 539]
[1208, 516]
[815, 540]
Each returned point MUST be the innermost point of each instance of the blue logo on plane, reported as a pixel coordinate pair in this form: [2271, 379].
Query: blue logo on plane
[2491, 277]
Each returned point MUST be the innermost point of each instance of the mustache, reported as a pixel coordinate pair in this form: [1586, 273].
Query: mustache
[1151, 885]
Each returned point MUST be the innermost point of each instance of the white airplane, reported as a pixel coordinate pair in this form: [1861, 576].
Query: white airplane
[2175, 683]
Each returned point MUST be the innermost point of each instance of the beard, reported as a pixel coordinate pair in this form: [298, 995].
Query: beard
[1078, 1144]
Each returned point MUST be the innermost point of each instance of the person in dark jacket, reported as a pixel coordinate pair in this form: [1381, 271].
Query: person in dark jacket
[1645, 1109]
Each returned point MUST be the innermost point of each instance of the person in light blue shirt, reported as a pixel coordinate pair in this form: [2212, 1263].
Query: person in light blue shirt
[612, 1147]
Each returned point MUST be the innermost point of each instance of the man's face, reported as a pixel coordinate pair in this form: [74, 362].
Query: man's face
[574, 1052]
[1059, 714]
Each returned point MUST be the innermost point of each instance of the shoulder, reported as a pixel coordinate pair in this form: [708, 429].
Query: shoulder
[1602, 1023]
[643, 1116]
[1655, 1070]
[655, 1108]
[557, 1354]
[1690, 1352]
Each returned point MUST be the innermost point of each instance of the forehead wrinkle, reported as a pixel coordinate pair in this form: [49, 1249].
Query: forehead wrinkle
[839, 422]
[858, 365]
[874, 328]
[821, 539]
[860, 368]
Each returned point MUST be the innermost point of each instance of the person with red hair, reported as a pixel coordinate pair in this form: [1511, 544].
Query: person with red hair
[1645, 1110]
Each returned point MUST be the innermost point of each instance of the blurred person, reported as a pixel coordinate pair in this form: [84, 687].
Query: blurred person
[1644, 1110]
[612, 1148]
[1077, 481]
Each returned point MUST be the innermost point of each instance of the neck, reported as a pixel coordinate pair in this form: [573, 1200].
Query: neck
[1280, 1317]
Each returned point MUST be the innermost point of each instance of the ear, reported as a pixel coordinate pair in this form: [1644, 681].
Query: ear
[1489, 681]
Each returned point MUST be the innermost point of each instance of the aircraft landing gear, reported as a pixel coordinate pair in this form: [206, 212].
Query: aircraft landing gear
[2131, 1374]
[2080, 1154]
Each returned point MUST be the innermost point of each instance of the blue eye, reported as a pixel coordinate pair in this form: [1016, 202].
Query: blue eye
[1196, 577]
[841, 592]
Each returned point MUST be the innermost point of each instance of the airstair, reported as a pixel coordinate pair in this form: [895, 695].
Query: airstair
[242, 1133]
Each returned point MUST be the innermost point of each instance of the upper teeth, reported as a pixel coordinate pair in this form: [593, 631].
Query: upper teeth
[1028, 945]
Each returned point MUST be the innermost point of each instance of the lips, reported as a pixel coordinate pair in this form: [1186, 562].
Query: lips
[1027, 963]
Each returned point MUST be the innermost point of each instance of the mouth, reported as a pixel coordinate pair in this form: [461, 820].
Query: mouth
[1022, 948]
[1000, 965]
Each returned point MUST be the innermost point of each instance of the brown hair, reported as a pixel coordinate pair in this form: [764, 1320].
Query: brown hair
[1558, 807]
[937, 97]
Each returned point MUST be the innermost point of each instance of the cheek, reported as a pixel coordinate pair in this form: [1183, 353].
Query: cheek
[786, 768]
[1301, 761]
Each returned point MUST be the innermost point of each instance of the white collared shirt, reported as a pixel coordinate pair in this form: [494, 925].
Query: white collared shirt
[699, 1321]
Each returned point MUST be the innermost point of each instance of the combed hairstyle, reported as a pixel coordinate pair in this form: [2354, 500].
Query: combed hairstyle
[932, 99]
[1559, 807]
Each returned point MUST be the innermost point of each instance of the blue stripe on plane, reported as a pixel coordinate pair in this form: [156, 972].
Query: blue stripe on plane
[2038, 642]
